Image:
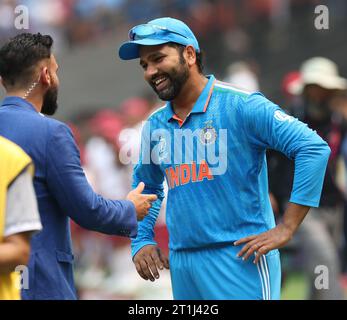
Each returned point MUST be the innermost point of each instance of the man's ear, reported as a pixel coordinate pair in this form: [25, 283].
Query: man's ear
[45, 76]
[190, 55]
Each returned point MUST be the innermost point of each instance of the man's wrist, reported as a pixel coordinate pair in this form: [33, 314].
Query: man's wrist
[135, 248]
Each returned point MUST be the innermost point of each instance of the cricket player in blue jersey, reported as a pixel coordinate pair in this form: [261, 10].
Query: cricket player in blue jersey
[209, 141]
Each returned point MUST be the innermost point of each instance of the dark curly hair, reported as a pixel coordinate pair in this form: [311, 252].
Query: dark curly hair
[20, 55]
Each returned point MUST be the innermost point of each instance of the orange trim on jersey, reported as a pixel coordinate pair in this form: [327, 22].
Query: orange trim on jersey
[179, 120]
[209, 96]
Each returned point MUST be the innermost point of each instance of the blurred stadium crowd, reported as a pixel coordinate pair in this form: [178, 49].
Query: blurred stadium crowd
[254, 44]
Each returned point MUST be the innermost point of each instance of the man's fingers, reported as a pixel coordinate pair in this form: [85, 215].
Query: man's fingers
[145, 270]
[143, 211]
[263, 250]
[252, 247]
[153, 268]
[149, 261]
[246, 247]
[166, 262]
[139, 270]
[255, 247]
[151, 197]
[156, 257]
[140, 187]
[164, 259]
[244, 240]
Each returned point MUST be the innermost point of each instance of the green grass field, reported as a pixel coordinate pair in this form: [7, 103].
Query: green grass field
[295, 287]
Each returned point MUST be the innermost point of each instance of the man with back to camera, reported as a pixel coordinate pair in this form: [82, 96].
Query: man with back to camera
[211, 211]
[29, 74]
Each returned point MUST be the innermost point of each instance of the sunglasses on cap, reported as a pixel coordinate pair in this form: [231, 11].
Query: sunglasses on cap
[144, 31]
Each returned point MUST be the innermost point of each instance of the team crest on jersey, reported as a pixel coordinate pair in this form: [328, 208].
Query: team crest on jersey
[282, 116]
[208, 134]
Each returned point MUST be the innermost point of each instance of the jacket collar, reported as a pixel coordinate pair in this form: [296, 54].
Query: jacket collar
[17, 101]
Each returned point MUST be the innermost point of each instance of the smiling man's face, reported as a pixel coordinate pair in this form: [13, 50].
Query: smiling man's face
[165, 69]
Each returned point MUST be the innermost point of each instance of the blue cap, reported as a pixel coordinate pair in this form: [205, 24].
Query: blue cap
[155, 32]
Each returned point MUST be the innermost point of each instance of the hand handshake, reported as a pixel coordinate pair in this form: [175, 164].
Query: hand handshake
[142, 202]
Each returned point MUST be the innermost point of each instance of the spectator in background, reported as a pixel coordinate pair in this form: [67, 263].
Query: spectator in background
[19, 216]
[318, 85]
[339, 104]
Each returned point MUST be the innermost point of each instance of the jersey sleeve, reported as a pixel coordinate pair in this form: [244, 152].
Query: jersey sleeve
[269, 127]
[151, 175]
[22, 213]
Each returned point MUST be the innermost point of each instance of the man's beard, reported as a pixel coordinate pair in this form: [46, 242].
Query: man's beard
[50, 102]
[177, 77]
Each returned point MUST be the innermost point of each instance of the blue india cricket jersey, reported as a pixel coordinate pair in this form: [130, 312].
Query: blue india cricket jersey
[215, 166]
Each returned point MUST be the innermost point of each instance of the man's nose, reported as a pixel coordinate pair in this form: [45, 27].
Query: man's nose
[151, 71]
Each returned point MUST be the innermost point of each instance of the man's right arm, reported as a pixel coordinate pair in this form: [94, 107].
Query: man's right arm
[153, 179]
[68, 184]
[146, 254]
